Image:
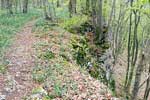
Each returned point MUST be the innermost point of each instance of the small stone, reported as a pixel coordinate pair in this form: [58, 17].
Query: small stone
[36, 97]
[2, 97]
[17, 74]
[20, 87]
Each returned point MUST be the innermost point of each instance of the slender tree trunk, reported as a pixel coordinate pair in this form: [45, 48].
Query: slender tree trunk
[20, 5]
[129, 48]
[147, 89]
[139, 71]
[46, 10]
[72, 7]
[99, 28]
[87, 6]
[94, 13]
[16, 5]
[58, 3]
[135, 51]
[2, 4]
[9, 6]
[25, 6]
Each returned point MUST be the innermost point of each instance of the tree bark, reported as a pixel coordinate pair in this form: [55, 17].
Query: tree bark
[139, 71]
[72, 7]
[46, 10]
[129, 49]
[99, 28]
[9, 6]
[147, 89]
[87, 5]
[25, 6]
[2, 4]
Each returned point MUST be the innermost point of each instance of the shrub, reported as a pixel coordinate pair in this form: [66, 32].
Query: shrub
[80, 50]
[73, 23]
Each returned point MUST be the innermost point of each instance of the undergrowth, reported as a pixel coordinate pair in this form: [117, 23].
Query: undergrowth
[73, 23]
[56, 67]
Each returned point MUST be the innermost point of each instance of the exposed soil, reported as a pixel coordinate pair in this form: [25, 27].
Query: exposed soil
[17, 82]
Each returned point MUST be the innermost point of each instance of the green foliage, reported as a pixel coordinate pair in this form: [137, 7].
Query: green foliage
[73, 22]
[41, 22]
[47, 55]
[112, 85]
[40, 73]
[58, 90]
[2, 68]
[11, 24]
[95, 73]
[64, 55]
[38, 90]
[42, 27]
[49, 97]
[80, 50]
[62, 13]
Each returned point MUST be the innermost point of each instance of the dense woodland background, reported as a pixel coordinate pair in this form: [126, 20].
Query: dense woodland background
[110, 39]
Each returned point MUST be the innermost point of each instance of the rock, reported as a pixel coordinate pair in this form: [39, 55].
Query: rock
[37, 94]
[36, 97]
[2, 97]
[17, 74]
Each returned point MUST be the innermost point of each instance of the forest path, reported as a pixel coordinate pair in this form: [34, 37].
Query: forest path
[63, 78]
[17, 82]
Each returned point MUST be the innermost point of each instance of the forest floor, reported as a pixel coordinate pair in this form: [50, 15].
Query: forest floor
[17, 82]
[40, 66]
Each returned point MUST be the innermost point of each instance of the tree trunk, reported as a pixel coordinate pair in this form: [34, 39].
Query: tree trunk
[129, 49]
[147, 89]
[99, 27]
[72, 7]
[139, 71]
[94, 13]
[58, 3]
[2, 4]
[20, 5]
[46, 10]
[25, 6]
[9, 6]
[87, 6]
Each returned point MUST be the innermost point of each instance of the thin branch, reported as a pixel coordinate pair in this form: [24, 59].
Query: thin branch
[144, 82]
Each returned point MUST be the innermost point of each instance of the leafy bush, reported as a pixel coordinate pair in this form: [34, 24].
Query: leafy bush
[80, 50]
[73, 22]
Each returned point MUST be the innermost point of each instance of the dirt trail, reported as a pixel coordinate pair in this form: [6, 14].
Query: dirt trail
[17, 83]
